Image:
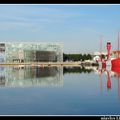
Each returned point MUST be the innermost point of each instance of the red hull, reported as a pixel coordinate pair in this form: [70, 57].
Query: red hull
[116, 65]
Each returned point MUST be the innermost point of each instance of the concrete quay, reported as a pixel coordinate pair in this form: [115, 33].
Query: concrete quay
[47, 63]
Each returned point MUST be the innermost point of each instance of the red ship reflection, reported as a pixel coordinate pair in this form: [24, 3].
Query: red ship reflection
[111, 72]
[108, 81]
[116, 70]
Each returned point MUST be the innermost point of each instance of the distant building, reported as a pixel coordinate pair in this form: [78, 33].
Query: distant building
[96, 55]
[31, 52]
[116, 53]
[99, 53]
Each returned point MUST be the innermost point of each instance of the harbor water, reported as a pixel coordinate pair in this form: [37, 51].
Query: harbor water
[59, 91]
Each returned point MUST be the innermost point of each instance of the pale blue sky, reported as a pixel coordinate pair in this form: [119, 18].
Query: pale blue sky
[78, 27]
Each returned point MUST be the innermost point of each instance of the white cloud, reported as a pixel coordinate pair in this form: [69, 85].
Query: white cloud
[32, 13]
[34, 18]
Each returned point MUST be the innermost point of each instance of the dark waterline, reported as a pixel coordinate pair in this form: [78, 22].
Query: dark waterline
[58, 91]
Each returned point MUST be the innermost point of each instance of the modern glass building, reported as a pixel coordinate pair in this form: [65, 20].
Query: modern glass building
[31, 52]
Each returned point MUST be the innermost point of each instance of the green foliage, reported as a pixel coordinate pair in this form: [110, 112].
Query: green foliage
[76, 57]
[103, 56]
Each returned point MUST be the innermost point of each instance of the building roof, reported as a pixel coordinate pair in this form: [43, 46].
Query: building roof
[116, 51]
[34, 42]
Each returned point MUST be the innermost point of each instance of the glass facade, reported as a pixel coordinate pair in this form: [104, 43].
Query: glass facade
[32, 52]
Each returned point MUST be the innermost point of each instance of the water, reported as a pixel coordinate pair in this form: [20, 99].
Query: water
[58, 91]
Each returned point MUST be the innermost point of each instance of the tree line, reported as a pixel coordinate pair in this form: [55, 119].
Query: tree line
[76, 57]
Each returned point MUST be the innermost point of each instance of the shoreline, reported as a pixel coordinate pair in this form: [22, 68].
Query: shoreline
[50, 64]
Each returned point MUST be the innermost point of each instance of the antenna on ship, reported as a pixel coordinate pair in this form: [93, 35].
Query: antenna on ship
[101, 44]
[101, 48]
[118, 44]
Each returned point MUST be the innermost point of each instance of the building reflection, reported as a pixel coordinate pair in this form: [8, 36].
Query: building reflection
[2, 76]
[31, 76]
[26, 76]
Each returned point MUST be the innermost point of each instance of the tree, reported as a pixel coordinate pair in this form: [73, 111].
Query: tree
[103, 56]
[76, 57]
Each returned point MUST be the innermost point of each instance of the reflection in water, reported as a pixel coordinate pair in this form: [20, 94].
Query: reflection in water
[26, 76]
[109, 73]
[80, 94]
[108, 81]
[31, 76]
[119, 87]
[77, 70]
[117, 74]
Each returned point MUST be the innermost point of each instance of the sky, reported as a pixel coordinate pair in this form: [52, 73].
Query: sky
[78, 27]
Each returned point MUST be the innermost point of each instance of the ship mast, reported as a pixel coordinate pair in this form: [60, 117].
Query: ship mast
[118, 44]
[101, 47]
[101, 44]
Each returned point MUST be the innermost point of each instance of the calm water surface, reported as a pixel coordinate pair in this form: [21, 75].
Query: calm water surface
[59, 91]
